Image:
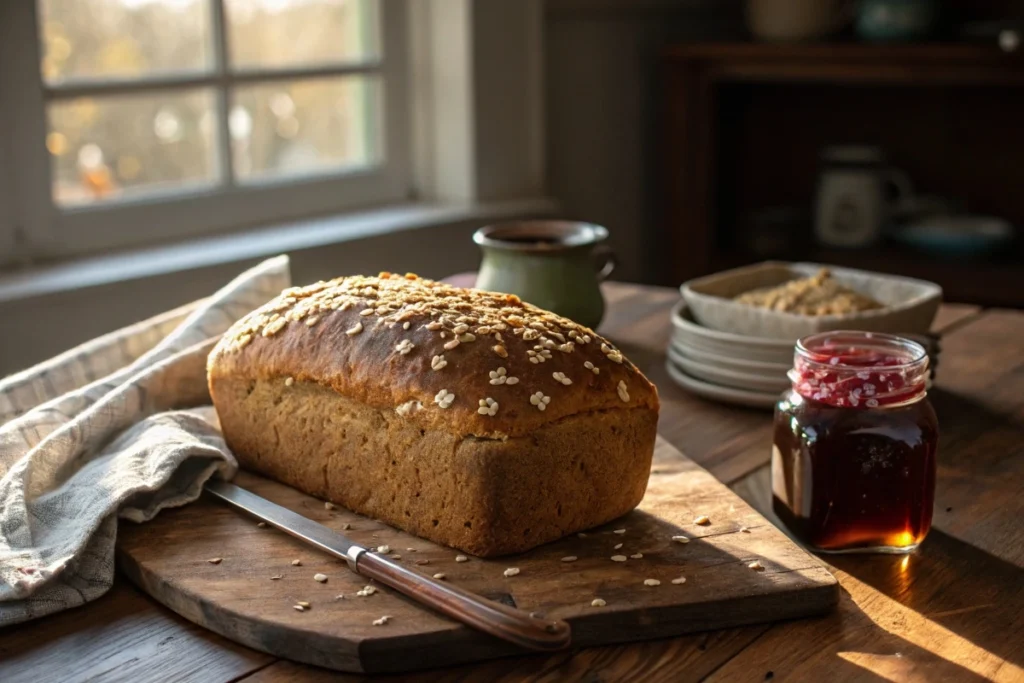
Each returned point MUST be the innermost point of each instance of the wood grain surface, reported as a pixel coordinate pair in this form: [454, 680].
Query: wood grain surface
[237, 596]
[954, 610]
[137, 639]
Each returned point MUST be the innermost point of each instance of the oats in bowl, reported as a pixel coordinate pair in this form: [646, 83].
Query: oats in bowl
[819, 294]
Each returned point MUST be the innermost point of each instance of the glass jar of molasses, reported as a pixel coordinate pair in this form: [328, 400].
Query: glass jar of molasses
[853, 459]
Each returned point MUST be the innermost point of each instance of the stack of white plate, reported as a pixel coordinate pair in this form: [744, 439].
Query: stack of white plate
[735, 368]
[727, 351]
[722, 366]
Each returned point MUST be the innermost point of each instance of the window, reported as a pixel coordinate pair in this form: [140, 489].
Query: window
[140, 120]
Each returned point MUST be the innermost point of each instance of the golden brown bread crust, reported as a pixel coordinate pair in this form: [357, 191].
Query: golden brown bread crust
[349, 334]
[485, 496]
[466, 417]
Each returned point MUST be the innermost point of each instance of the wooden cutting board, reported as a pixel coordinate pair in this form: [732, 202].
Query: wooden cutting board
[238, 598]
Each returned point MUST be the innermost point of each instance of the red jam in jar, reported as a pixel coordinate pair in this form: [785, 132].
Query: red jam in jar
[853, 460]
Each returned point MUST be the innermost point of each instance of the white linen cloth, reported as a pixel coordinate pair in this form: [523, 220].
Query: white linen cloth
[120, 426]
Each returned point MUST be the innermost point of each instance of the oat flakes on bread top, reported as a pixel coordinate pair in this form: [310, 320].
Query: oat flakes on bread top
[394, 342]
[819, 294]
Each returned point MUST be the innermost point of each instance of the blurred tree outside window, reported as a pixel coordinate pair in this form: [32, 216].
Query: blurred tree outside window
[142, 93]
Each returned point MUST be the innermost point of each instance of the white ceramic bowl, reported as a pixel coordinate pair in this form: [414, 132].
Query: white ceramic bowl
[908, 305]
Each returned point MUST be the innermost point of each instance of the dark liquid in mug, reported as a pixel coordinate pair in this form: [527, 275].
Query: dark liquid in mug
[529, 239]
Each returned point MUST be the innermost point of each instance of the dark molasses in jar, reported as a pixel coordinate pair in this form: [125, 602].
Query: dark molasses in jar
[853, 459]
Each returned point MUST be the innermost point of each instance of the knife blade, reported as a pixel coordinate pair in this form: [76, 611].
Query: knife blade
[505, 622]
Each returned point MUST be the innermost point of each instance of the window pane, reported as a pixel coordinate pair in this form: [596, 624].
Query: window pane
[289, 33]
[297, 127]
[118, 146]
[122, 38]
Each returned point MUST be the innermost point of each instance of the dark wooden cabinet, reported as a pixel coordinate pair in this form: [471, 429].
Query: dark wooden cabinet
[742, 126]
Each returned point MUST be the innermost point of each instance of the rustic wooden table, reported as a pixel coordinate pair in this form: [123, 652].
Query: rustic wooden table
[954, 610]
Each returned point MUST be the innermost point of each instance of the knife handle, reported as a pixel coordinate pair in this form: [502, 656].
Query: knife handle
[502, 621]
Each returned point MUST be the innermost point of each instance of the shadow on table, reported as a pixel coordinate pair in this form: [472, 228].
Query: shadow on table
[959, 415]
[954, 591]
[967, 599]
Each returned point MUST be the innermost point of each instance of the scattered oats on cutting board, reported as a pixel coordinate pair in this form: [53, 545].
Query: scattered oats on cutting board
[236, 599]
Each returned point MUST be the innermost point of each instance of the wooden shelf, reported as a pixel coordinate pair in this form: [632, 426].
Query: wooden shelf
[742, 126]
[926, 64]
[905, 53]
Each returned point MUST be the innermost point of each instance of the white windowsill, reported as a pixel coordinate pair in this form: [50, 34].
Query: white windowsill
[251, 244]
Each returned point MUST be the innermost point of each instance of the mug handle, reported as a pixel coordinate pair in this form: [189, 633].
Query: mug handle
[609, 261]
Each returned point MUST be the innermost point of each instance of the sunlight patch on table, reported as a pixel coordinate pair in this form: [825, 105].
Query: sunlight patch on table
[920, 631]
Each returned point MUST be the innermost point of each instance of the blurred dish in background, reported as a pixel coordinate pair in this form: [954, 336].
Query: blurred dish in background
[917, 207]
[854, 199]
[962, 235]
[896, 20]
[1005, 33]
[796, 20]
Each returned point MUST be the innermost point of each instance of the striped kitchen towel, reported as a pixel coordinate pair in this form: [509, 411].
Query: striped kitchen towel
[120, 426]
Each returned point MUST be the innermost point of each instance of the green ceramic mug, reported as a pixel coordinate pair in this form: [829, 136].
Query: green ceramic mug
[556, 265]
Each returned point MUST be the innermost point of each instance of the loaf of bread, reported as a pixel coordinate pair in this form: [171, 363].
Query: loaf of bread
[466, 417]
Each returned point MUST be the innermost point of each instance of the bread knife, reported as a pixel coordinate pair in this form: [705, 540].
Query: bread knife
[508, 623]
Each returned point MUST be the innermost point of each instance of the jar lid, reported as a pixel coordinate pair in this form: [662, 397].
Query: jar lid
[853, 369]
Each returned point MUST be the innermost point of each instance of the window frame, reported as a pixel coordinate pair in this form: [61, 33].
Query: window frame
[7, 209]
[48, 230]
